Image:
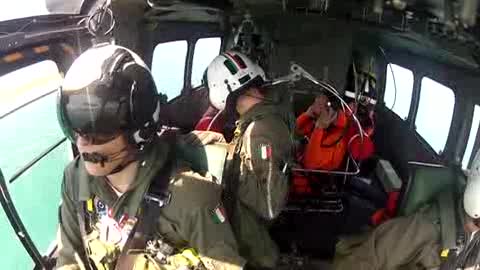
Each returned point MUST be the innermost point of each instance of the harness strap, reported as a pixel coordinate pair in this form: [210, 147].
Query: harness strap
[231, 178]
[82, 218]
[447, 212]
[156, 197]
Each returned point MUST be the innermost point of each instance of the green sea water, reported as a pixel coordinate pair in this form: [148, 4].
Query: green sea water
[36, 194]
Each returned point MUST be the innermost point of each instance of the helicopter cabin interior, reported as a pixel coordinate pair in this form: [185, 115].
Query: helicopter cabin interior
[424, 55]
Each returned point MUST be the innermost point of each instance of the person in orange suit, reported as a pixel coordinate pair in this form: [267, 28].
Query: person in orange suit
[325, 126]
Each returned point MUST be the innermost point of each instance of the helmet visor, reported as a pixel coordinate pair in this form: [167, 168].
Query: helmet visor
[91, 112]
[97, 138]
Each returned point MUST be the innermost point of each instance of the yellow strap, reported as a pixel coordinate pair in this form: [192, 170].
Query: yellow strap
[102, 254]
[444, 253]
[90, 205]
[179, 260]
[188, 257]
[192, 256]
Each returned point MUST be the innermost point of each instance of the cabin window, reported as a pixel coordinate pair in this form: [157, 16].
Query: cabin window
[435, 112]
[29, 126]
[168, 67]
[398, 90]
[471, 138]
[206, 49]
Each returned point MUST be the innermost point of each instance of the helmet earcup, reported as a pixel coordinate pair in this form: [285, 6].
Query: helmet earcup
[144, 99]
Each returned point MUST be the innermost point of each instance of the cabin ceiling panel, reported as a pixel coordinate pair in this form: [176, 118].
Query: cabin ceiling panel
[323, 49]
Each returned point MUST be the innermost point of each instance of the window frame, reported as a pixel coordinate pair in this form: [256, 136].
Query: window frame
[193, 57]
[187, 75]
[463, 141]
[452, 144]
[388, 70]
[63, 52]
[414, 112]
[186, 64]
[8, 205]
[193, 40]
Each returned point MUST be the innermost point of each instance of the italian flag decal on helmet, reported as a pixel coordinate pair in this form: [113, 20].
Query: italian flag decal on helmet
[229, 72]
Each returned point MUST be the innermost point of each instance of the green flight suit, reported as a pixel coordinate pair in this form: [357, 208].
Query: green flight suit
[403, 243]
[188, 221]
[266, 147]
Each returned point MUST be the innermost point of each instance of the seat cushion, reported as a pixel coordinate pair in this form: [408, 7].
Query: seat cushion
[209, 158]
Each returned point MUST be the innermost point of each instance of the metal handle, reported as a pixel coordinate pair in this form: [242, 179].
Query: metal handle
[297, 72]
[357, 170]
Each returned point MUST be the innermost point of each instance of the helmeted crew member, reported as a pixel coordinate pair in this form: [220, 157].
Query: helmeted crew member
[127, 202]
[256, 180]
[416, 241]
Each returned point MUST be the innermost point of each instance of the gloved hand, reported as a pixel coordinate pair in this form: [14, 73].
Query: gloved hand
[200, 138]
[318, 106]
[313, 111]
[326, 118]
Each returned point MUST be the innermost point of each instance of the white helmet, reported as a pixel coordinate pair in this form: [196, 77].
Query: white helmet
[471, 197]
[229, 72]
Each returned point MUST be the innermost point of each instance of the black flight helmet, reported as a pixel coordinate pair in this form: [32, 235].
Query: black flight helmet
[109, 90]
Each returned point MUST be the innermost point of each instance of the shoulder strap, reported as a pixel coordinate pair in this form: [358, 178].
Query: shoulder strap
[230, 178]
[156, 197]
[448, 226]
[84, 223]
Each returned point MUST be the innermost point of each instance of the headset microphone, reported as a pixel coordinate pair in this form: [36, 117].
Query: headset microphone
[95, 157]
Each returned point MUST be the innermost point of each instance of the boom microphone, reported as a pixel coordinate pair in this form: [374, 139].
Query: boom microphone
[96, 157]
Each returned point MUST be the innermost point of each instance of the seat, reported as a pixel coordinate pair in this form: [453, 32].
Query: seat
[205, 158]
[433, 184]
[425, 183]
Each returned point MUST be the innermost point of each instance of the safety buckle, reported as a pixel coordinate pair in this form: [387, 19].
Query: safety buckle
[159, 250]
[159, 200]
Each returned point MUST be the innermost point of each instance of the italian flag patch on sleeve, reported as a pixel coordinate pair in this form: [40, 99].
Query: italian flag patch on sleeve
[265, 151]
[219, 215]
